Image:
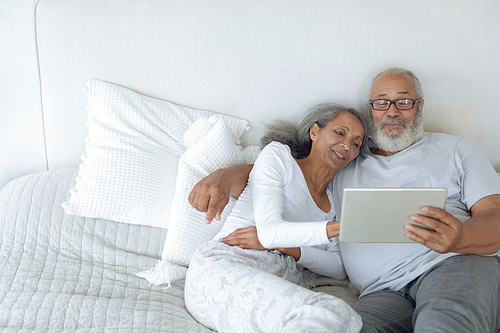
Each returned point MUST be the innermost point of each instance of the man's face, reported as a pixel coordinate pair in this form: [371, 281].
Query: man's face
[393, 129]
[393, 87]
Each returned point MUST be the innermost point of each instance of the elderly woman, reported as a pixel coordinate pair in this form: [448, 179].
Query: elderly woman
[261, 284]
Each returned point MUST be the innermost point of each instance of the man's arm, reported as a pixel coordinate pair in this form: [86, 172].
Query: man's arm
[478, 235]
[212, 193]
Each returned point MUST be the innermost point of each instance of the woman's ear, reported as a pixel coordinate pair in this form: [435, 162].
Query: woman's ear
[313, 131]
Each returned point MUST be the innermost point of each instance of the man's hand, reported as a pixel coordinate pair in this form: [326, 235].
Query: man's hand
[446, 234]
[478, 235]
[212, 193]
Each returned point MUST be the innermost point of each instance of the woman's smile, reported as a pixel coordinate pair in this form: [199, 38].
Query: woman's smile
[339, 155]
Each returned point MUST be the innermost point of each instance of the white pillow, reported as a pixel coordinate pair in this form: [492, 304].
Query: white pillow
[132, 153]
[250, 154]
[187, 229]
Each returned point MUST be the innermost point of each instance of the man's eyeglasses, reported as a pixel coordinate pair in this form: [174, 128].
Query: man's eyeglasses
[400, 104]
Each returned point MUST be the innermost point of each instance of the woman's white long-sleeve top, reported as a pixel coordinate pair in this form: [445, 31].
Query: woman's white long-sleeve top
[278, 202]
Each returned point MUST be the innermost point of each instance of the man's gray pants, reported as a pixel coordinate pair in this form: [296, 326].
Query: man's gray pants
[460, 294]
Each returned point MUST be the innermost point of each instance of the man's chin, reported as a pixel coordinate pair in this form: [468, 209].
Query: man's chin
[394, 142]
[392, 146]
[396, 139]
[393, 133]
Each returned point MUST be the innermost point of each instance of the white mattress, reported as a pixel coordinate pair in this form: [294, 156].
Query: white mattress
[63, 273]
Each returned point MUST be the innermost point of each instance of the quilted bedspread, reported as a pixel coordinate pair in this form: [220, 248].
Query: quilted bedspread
[62, 273]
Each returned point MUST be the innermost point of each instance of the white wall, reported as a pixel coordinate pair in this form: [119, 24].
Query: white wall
[258, 59]
[22, 149]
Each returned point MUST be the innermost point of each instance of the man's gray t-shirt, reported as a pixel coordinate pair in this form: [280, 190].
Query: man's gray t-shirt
[437, 160]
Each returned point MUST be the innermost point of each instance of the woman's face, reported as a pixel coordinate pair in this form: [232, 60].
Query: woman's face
[339, 142]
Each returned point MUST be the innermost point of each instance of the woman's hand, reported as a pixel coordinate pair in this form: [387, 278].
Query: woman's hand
[246, 238]
[333, 229]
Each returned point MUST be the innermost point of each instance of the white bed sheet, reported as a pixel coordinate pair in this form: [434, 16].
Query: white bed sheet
[65, 273]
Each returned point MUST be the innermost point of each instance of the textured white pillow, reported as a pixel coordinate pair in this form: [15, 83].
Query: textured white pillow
[132, 154]
[250, 154]
[187, 229]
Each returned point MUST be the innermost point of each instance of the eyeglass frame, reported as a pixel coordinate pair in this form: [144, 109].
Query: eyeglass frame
[415, 101]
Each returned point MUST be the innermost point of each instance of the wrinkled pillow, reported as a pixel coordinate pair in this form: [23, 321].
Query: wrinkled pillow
[132, 153]
[187, 229]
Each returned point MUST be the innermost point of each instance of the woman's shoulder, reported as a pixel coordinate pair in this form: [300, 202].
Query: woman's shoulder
[275, 161]
[276, 146]
[276, 151]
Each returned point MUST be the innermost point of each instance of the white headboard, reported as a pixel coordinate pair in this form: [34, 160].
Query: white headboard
[258, 59]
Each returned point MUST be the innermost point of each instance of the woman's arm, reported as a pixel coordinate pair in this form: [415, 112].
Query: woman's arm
[326, 262]
[281, 199]
[212, 193]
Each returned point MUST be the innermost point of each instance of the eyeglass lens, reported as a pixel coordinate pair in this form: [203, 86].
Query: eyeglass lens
[385, 104]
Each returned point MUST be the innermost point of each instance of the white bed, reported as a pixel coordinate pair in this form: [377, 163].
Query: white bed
[74, 269]
[63, 273]
[69, 273]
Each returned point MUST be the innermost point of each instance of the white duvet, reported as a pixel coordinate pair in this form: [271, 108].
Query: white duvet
[66, 273]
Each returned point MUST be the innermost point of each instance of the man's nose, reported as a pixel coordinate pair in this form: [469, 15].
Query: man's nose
[392, 111]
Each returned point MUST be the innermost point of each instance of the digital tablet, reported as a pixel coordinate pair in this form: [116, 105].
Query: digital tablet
[378, 215]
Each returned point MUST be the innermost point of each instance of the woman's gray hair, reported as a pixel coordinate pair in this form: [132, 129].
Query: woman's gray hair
[297, 136]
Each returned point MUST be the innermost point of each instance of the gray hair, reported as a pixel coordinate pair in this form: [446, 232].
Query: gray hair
[401, 71]
[297, 136]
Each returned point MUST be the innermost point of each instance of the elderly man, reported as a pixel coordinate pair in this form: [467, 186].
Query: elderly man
[448, 281]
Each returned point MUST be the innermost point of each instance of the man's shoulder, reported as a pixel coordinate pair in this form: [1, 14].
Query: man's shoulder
[442, 137]
[441, 140]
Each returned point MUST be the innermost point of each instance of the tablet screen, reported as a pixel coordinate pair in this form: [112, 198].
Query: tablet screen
[378, 215]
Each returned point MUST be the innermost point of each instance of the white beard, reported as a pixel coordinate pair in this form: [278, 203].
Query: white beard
[394, 142]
